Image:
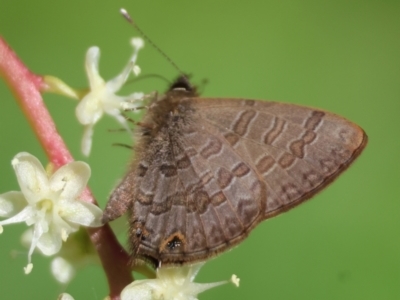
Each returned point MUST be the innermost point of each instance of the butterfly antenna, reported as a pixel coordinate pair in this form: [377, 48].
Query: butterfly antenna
[126, 15]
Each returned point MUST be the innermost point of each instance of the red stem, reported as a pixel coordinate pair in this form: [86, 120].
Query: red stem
[26, 87]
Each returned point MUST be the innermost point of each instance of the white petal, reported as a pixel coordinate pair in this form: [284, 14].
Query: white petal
[50, 242]
[173, 274]
[32, 177]
[92, 67]
[70, 179]
[26, 238]
[11, 203]
[138, 290]
[196, 288]
[86, 144]
[22, 216]
[62, 270]
[117, 82]
[194, 269]
[80, 212]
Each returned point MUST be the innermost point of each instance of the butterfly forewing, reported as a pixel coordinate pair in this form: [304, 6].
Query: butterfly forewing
[295, 150]
[211, 169]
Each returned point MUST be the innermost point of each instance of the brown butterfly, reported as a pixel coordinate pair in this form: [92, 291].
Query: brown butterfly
[207, 171]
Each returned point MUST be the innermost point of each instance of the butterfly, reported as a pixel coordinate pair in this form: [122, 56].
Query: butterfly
[206, 171]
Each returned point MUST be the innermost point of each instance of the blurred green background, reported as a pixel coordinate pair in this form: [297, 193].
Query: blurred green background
[342, 56]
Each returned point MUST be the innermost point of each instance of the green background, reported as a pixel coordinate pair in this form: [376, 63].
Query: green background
[342, 56]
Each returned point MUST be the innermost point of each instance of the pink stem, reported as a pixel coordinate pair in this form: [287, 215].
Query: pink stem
[26, 87]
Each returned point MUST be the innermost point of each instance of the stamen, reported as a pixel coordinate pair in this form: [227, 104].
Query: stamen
[235, 280]
[64, 235]
[136, 70]
[28, 268]
[15, 162]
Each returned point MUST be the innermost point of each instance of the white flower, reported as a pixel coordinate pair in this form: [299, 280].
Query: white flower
[102, 98]
[62, 270]
[48, 203]
[172, 283]
[65, 296]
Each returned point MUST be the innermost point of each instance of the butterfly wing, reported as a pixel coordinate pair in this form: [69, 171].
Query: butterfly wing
[295, 150]
[218, 167]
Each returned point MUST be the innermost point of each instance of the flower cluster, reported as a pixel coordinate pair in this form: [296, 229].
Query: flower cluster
[102, 96]
[48, 203]
[172, 283]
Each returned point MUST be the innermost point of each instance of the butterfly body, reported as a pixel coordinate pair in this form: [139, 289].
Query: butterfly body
[207, 171]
